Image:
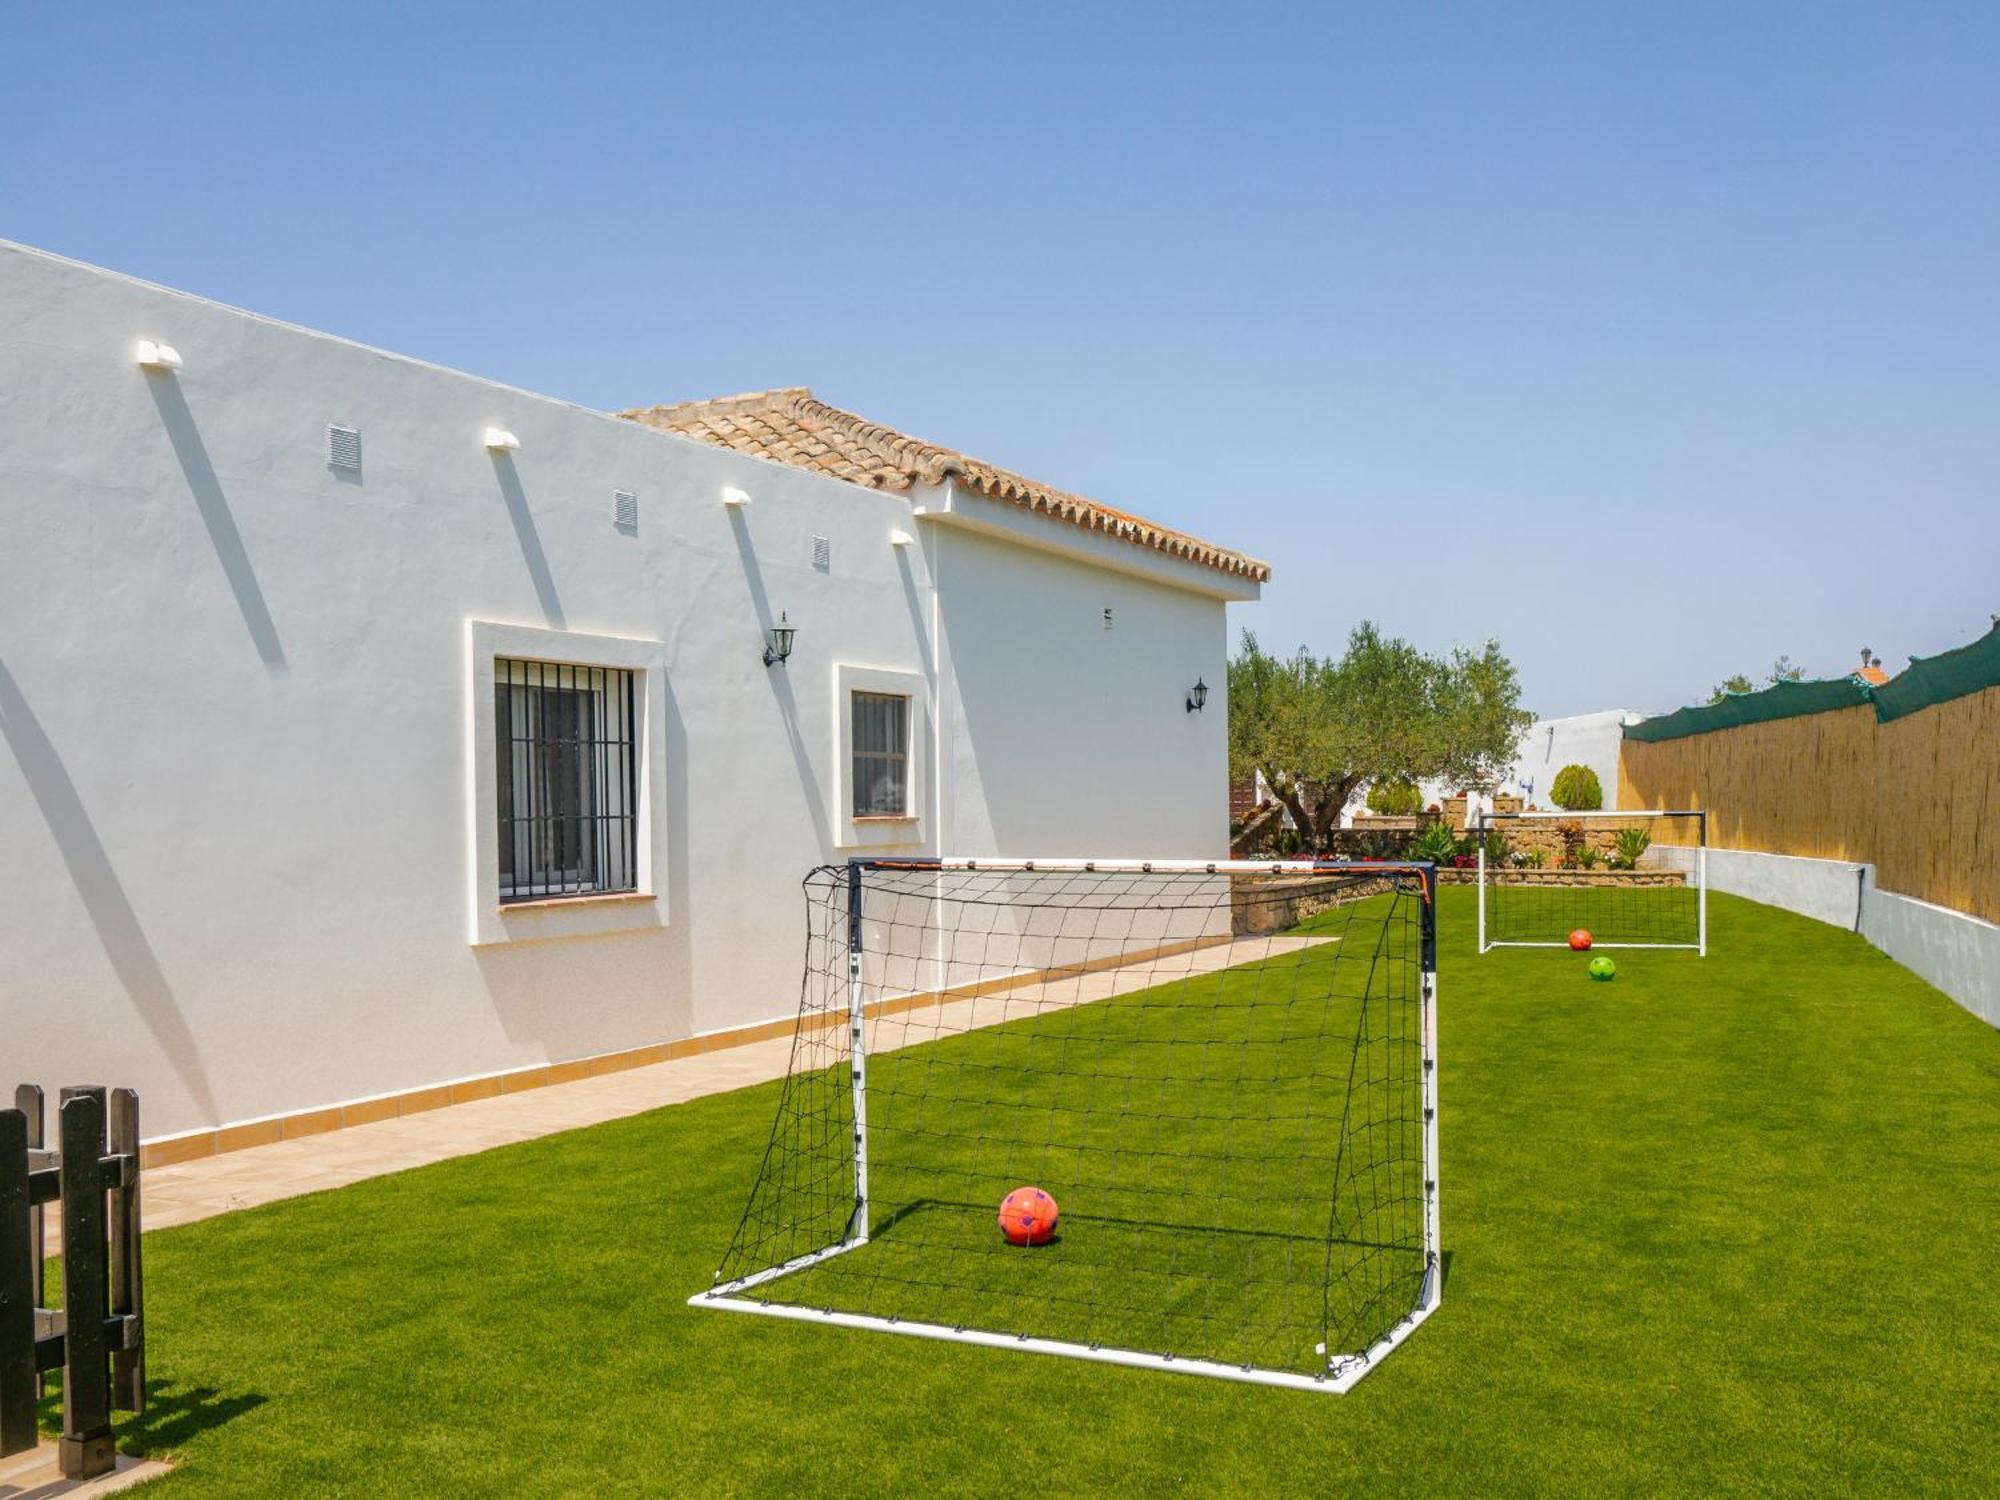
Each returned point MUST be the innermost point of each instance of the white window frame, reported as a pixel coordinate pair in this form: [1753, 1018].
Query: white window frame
[891, 831]
[576, 915]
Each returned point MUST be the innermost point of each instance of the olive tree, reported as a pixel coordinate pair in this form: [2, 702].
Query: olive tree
[1319, 728]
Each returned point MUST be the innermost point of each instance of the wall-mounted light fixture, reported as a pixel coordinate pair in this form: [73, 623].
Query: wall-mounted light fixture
[901, 539]
[500, 440]
[1197, 696]
[153, 355]
[733, 497]
[778, 641]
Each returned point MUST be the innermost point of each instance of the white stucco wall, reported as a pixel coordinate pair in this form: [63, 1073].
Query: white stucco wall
[1827, 890]
[1959, 954]
[1103, 766]
[235, 705]
[1581, 739]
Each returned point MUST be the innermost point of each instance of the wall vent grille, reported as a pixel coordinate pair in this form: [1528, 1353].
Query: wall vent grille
[822, 555]
[343, 448]
[625, 511]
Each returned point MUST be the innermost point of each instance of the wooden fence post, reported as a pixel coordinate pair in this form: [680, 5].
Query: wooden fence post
[20, 1384]
[128, 1365]
[86, 1448]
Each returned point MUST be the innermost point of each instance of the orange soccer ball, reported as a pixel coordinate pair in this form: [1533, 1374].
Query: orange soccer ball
[1028, 1216]
[1580, 939]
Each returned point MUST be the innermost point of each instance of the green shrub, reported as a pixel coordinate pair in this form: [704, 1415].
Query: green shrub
[1395, 799]
[1586, 858]
[1576, 789]
[1632, 843]
[1435, 843]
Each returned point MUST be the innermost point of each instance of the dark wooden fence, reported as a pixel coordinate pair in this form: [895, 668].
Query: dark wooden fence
[97, 1337]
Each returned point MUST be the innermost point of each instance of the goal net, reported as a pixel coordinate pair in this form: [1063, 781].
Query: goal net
[1222, 1072]
[1630, 879]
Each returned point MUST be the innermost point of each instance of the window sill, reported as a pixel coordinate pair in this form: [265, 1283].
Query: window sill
[612, 914]
[885, 818]
[581, 898]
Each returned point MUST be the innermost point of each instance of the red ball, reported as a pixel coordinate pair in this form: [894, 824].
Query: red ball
[1580, 939]
[1028, 1216]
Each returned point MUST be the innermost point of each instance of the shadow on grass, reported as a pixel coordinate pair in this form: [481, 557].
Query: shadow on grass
[173, 1415]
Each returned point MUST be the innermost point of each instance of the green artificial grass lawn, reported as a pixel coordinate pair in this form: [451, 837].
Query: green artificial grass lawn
[1721, 1224]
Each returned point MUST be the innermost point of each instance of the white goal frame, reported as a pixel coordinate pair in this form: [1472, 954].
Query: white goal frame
[1489, 820]
[1345, 1368]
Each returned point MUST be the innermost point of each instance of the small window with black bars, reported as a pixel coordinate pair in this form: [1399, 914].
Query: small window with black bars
[566, 779]
[881, 739]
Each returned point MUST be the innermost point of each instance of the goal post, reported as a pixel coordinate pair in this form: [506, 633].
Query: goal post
[1634, 879]
[1224, 1072]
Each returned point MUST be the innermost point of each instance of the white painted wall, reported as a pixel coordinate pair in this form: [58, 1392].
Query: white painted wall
[1581, 739]
[1106, 764]
[235, 705]
[1827, 890]
[1959, 954]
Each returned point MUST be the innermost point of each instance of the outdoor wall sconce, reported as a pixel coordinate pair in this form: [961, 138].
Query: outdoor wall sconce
[901, 539]
[735, 498]
[153, 355]
[500, 440]
[778, 641]
[1197, 696]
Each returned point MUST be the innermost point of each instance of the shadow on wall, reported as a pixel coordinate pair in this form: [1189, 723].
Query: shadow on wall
[781, 688]
[125, 945]
[215, 515]
[530, 539]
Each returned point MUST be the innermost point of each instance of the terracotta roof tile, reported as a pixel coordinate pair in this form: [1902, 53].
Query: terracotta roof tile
[792, 426]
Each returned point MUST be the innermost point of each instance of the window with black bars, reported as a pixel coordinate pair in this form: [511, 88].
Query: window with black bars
[881, 770]
[567, 787]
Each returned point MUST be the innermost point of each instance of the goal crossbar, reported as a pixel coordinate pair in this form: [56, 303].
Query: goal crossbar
[1362, 1248]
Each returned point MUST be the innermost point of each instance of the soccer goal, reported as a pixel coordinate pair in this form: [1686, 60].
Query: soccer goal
[1631, 879]
[1224, 1073]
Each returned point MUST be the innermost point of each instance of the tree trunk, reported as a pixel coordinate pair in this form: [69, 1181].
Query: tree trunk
[1287, 792]
[1328, 816]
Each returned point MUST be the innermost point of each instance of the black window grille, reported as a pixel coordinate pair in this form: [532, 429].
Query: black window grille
[881, 740]
[567, 783]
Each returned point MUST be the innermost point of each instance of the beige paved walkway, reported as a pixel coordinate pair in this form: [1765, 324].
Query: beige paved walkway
[213, 1185]
[37, 1475]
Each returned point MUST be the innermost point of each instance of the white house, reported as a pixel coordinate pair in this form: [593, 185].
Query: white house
[372, 734]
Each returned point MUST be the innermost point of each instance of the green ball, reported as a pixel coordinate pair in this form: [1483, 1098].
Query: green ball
[1603, 968]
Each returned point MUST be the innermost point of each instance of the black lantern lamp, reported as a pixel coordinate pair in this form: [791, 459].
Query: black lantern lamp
[778, 641]
[1197, 696]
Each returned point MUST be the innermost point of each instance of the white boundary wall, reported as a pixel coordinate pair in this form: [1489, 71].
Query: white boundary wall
[1959, 954]
[1827, 890]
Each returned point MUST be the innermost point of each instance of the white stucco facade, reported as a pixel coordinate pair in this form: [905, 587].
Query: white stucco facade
[248, 864]
[1581, 740]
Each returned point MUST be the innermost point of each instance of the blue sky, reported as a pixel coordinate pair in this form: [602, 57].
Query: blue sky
[1654, 341]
